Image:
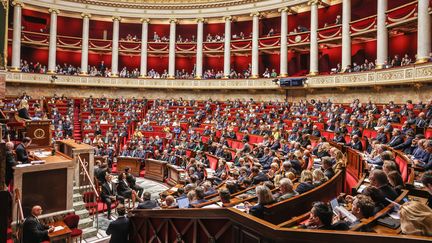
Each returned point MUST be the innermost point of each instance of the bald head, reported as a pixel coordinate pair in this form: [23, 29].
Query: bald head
[36, 210]
[10, 145]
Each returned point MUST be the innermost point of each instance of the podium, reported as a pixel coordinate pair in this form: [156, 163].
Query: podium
[131, 162]
[155, 169]
[175, 175]
[40, 132]
[49, 184]
[85, 152]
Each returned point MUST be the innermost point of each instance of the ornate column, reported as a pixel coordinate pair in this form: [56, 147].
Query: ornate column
[227, 47]
[172, 48]
[284, 43]
[52, 41]
[255, 50]
[144, 43]
[16, 41]
[423, 31]
[199, 48]
[346, 35]
[313, 67]
[115, 46]
[85, 43]
[382, 34]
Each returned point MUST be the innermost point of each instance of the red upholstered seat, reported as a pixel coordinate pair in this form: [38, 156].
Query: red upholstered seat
[403, 167]
[76, 232]
[350, 182]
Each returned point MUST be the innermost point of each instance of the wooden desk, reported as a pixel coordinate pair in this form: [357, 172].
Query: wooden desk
[41, 183]
[174, 174]
[133, 163]
[155, 169]
[61, 234]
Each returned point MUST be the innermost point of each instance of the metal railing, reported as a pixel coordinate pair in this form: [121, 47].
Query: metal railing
[89, 192]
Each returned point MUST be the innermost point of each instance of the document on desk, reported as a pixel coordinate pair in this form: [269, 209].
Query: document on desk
[57, 228]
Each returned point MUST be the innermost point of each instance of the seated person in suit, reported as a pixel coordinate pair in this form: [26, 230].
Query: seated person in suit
[426, 161]
[170, 202]
[124, 190]
[355, 143]
[321, 217]
[306, 184]
[33, 229]
[147, 202]
[23, 110]
[225, 196]
[10, 163]
[21, 152]
[286, 190]
[119, 228]
[379, 180]
[131, 180]
[264, 198]
[109, 194]
[199, 196]
[327, 166]
[397, 138]
[257, 176]
[208, 189]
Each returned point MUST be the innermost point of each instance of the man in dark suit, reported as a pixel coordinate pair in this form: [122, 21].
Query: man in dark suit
[119, 228]
[109, 194]
[381, 136]
[33, 230]
[21, 152]
[148, 203]
[10, 162]
[327, 166]
[257, 176]
[356, 143]
[131, 180]
[396, 139]
[379, 180]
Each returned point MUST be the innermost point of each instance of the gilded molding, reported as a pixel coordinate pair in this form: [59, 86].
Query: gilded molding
[118, 18]
[85, 15]
[225, 18]
[53, 10]
[17, 3]
[145, 20]
[167, 4]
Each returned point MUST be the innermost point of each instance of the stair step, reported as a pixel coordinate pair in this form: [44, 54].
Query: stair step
[79, 205]
[82, 213]
[89, 232]
[77, 197]
[85, 223]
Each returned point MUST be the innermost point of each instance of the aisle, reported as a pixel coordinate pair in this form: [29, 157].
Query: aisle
[149, 186]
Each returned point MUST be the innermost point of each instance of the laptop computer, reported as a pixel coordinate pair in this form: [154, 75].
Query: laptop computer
[183, 203]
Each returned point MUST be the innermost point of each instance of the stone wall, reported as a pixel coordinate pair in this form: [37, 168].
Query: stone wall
[381, 94]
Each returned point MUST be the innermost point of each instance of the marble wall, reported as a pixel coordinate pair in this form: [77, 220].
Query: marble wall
[380, 94]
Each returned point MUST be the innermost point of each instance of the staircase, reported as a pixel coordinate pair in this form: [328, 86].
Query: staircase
[86, 222]
[77, 135]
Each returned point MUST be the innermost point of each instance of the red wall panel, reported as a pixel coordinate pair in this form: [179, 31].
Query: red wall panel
[213, 29]
[241, 26]
[97, 29]
[30, 25]
[269, 23]
[130, 28]
[240, 63]
[329, 58]
[69, 26]
[186, 63]
[270, 61]
[95, 59]
[213, 62]
[34, 55]
[403, 44]
[159, 64]
[328, 15]
[186, 31]
[69, 57]
[294, 20]
[129, 61]
[160, 29]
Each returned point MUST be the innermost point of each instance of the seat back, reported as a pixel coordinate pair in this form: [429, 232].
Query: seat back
[71, 221]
